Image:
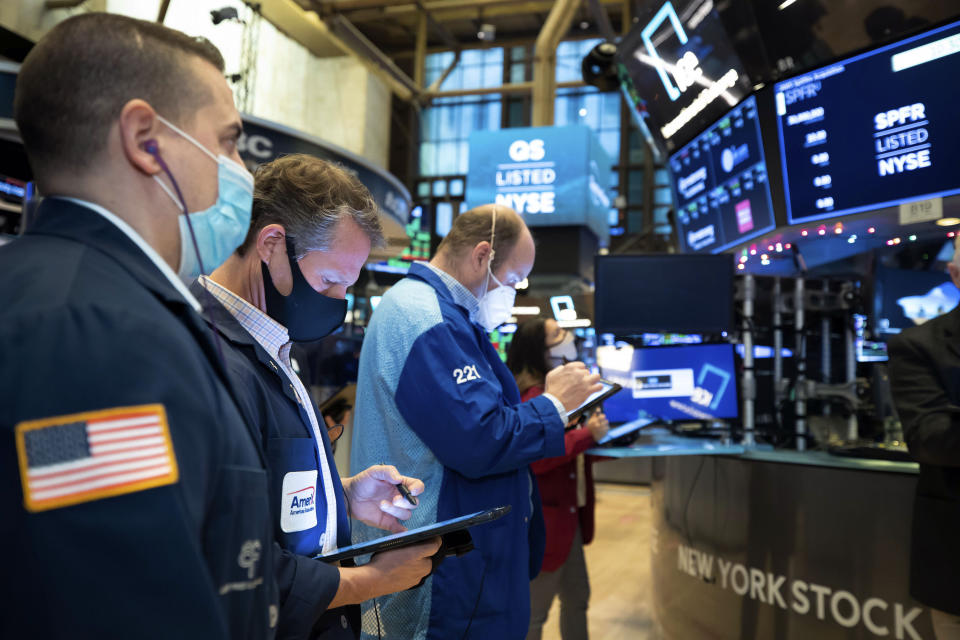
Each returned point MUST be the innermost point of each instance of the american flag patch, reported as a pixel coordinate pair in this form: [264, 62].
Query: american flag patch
[81, 457]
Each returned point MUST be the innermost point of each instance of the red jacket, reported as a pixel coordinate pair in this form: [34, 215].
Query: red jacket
[557, 480]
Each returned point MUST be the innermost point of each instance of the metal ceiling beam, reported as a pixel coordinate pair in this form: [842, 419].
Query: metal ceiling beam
[545, 60]
[444, 10]
[322, 40]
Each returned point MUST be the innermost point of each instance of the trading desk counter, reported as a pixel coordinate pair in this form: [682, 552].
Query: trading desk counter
[778, 545]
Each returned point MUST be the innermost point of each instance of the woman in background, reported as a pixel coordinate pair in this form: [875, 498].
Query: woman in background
[565, 482]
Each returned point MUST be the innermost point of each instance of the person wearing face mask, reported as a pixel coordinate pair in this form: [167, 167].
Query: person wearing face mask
[434, 398]
[134, 494]
[312, 230]
[565, 483]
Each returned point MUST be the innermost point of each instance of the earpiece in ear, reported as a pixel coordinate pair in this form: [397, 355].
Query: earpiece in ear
[150, 146]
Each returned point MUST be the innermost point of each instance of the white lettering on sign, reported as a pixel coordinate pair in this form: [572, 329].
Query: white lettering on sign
[901, 143]
[840, 606]
[527, 151]
[529, 202]
[259, 147]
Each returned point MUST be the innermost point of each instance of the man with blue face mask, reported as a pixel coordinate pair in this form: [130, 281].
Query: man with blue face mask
[134, 494]
[434, 399]
[312, 230]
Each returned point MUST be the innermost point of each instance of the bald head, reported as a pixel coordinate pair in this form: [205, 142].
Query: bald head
[466, 251]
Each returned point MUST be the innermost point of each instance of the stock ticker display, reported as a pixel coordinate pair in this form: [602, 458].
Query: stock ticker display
[874, 130]
[720, 183]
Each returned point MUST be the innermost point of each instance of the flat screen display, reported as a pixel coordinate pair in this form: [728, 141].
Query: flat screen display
[720, 184]
[874, 130]
[906, 298]
[696, 382]
[680, 70]
[661, 293]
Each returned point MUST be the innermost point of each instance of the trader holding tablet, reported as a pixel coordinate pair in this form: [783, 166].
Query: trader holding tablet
[434, 399]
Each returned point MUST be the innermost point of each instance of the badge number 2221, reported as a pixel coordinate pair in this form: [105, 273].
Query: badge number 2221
[466, 374]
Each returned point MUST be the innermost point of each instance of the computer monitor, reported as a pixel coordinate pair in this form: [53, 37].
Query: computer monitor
[874, 130]
[680, 69]
[664, 293]
[695, 382]
[906, 298]
[720, 185]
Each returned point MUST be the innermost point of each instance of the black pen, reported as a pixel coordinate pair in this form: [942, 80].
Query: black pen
[409, 497]
[402, 488]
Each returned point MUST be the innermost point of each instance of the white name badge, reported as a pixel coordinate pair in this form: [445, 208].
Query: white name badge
[298, 501]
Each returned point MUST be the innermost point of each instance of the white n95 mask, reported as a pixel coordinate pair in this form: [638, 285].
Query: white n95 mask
[496, 305]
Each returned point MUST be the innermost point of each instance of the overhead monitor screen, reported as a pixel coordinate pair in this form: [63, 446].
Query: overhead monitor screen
[875, 130]
[681, 69]
[696, 382]
[720, 184]
[663, 293]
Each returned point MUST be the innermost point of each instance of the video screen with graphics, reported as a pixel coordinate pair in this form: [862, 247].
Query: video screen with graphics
[682, 68]
[720, 184]
[663, 293]
[906, 298]
[874, 130]
[696, 382]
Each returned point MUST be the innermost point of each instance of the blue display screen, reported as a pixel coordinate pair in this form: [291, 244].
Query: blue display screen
[697, 382]
[874, 130]
[720, 183]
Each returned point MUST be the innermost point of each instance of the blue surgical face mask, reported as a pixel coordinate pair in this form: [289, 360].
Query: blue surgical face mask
[219, 229]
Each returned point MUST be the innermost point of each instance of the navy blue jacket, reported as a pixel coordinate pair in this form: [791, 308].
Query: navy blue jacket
[307, 586]
[88, 323]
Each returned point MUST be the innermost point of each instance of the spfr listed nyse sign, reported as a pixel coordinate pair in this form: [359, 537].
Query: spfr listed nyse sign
[526, 183]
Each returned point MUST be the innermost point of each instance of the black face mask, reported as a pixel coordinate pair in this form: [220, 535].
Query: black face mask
[307, 315]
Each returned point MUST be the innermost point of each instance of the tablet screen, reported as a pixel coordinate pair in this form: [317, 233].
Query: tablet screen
[412, 536]
[607, 390]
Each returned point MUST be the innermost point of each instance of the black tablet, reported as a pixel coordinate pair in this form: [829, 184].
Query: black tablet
[609, 388]
[413, 536]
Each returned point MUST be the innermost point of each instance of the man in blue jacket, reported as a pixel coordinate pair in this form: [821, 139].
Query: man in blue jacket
[133, 495]
[311, 232]
[434, 399]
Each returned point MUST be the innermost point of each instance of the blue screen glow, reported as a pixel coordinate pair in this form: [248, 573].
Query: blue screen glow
[697, 382]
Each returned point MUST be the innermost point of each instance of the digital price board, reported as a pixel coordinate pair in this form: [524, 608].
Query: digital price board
[874, 130]
[720, 183]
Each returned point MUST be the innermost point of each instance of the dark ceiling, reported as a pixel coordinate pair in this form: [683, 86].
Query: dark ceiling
[392, 24]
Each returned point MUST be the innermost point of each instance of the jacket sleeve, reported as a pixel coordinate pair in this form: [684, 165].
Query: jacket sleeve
[452, 399]
[576, 441]
[307, 587]
[112, 564]
[931, 421]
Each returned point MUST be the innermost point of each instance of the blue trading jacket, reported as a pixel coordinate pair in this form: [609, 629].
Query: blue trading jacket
[89, 323]
[434, 399]
[267, 399]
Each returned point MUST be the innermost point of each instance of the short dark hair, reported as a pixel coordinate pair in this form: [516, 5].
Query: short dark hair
[308, 197]
[472, 227]
[527, 353]
[76, 80]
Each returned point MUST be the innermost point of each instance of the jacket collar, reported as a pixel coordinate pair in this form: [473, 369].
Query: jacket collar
[66, 219]
[231, 329]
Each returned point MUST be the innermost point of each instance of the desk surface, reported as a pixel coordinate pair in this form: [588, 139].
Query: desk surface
[659, 442]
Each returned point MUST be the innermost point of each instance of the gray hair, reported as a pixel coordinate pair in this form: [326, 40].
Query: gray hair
[309, 197]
